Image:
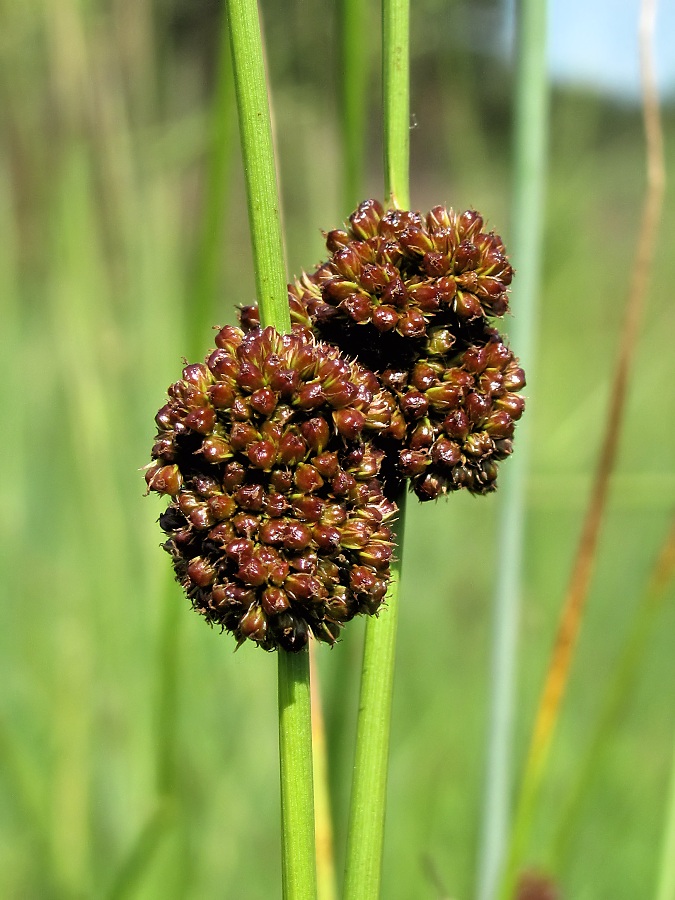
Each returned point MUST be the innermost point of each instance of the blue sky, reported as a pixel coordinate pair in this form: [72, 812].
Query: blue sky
[594, 43]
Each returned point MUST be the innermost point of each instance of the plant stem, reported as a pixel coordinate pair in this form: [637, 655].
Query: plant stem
[365, 838]
[325, 858]
[580, 579]
[255, 130]
[297, 792]
[355, 72]
[526, 240]
[295, 729]
[396, 96]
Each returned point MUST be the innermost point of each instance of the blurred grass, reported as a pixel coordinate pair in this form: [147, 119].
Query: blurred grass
[103, 167]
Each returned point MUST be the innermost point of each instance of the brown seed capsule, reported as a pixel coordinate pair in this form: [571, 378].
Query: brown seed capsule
[201, 572]
[263, 401]
[262, 454]
[316, 432]
[349, 422]
[298, 536]
[274, 601]
[201, 420]
[254, 625]
[164, 479]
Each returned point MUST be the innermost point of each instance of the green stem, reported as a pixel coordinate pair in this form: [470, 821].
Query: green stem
[355, 72]
[297, 792]
[365, 839]
[325, 857]
[530, 145]
[574, 603]
[255, 130]
[295, 729]
[369, 787]
[396, 96]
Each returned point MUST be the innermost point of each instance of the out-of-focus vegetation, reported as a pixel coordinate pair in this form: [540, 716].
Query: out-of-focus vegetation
[107, 176]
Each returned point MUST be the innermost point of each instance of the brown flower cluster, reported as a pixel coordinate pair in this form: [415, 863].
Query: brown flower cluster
[411, 298]
[277, 525]
[281, 454]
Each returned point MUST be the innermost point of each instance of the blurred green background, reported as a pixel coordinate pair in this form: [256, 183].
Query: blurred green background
[124, 237]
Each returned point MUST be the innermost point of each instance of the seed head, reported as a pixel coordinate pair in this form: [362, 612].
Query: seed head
[460, 409]
[277, 521]
[409, 297]
[393, 273]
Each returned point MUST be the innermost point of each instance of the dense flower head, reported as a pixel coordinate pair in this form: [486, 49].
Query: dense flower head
[277, 522]
[460, 405]
[410, 297]
[391, 275]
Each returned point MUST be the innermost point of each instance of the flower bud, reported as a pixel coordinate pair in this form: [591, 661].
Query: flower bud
[201, 420]
[254, 625]
[349, 422]
[274, 601]
[215, 449]
[164, 479]
[307, 479]
[291, 449]
[263, 401]
[364, 222]
[201, 572]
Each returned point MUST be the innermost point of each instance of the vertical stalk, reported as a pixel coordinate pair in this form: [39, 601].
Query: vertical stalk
[526, 240]
[396, 97]
[325, 857]
[356, 18]
[255, 130]
[355, 71]
[365, 839]
[295, 731]
[582, 571]
[369, 788]
[297, 794]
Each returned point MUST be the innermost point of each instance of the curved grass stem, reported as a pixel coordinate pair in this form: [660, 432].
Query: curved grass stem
[580, 580]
